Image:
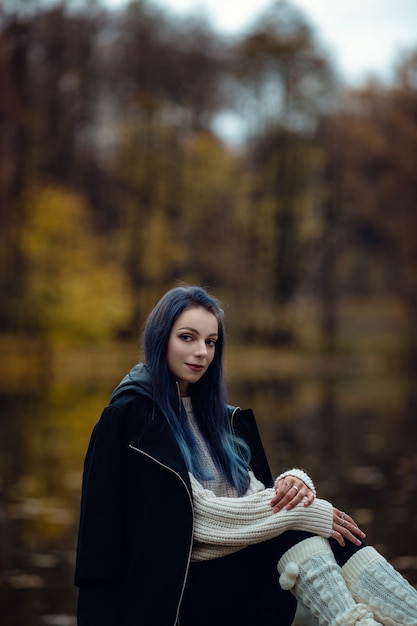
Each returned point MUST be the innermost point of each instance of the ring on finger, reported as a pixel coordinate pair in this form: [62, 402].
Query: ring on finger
[294, 487]
[343, 522]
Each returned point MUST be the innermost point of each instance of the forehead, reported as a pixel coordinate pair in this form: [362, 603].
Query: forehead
[199, 319]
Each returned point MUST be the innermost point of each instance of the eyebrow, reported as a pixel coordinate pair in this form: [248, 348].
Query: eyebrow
[194, 330]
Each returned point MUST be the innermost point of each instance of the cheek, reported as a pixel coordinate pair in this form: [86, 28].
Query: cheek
[174, 352]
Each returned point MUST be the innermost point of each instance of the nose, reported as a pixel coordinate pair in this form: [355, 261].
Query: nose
[201, 348]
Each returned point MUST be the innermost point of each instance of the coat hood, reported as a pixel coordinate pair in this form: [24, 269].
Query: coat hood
[136, 381]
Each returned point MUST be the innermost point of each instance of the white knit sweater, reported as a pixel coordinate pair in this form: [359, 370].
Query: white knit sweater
[223, 525]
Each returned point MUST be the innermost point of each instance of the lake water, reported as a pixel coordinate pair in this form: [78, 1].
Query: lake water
[352, 426]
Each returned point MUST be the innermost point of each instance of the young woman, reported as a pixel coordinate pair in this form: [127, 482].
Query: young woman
[181, 522]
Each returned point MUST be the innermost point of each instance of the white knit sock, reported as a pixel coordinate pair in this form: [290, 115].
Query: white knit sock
[311, 572]
[375, 582]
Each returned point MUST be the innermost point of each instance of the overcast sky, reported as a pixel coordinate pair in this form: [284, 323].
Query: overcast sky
[364, 36]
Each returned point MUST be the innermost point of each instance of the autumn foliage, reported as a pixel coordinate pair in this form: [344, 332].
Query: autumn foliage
[115, 182]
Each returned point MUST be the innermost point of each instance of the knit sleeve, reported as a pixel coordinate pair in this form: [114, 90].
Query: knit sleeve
[301, 474]
[223, 525]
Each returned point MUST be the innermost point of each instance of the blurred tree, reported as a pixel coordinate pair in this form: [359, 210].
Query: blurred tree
[105, 104]
[115, 111]
[371, 143]
[49, 62]
[75, 289]
[286, 79]
[209, 221]
[14, 152]
[45, 112]
[287, 82]
[163, 88]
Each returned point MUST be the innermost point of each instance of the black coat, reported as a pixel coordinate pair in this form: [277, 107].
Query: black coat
[136, 522]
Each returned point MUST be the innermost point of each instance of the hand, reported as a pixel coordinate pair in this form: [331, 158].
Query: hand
[345, 527]
[290, 491]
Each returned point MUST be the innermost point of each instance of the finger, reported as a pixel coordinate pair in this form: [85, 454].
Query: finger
[303, 494]
[344, 518]
[277, 499]
[351, 520]
[287, 495]
[281, 490]
[338, 537]
[280, 501]
[280, 483]
[350, 525]
[294, 495]
[309, 498]
[283, 486]
[351, 537]
[351, 533]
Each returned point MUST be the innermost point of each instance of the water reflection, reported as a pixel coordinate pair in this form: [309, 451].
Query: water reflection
[356, 435]
[43, 436]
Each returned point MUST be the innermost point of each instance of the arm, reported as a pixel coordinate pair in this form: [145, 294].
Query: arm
[98, 551]
[224, 525]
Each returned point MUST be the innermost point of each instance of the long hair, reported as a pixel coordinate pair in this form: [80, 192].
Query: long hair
[208, 395]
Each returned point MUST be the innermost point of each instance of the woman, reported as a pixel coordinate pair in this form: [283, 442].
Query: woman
[181, 523]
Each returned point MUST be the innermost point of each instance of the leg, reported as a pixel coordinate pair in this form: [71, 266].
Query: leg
[343, 553]
[374, 581]
[309, 569]
[265, 606]
[238, 589]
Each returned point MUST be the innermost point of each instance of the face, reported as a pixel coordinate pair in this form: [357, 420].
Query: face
[191, 345]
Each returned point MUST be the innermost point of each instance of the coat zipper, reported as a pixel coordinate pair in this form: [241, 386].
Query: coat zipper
[192, 528]
[236, 409]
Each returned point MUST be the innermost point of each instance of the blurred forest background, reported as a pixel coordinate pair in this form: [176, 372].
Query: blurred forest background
[115, 185]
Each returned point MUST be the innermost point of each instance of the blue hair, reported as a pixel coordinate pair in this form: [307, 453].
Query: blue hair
[230, 453]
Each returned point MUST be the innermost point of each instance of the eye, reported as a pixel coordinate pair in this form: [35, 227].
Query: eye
[186, 337]
[211, 342]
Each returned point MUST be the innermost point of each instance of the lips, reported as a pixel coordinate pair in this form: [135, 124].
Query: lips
[195, 368]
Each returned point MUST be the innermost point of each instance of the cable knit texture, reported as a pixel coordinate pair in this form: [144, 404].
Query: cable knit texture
[374, 581]
[223, 525]
[310, 571]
